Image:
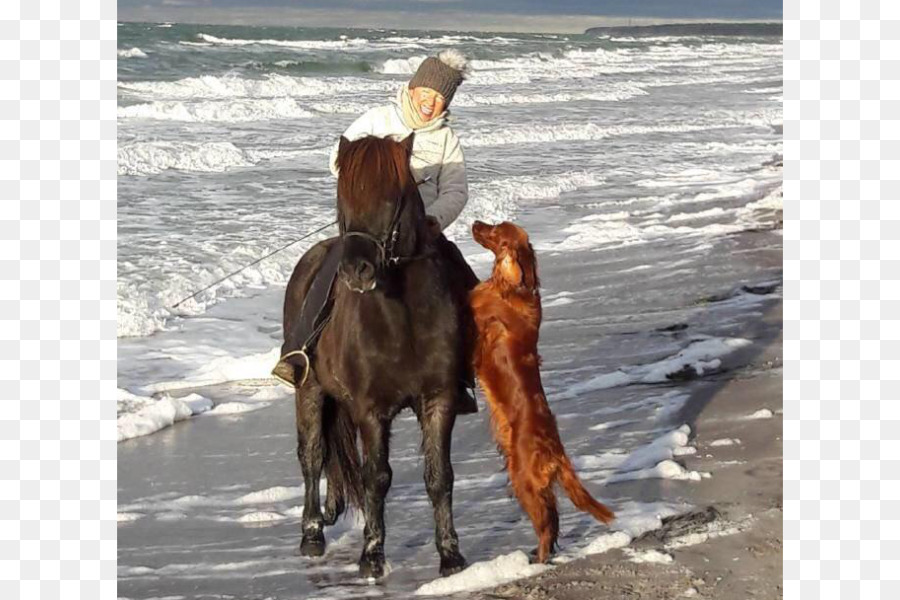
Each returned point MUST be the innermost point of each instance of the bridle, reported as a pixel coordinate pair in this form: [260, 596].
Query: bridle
[386, 245]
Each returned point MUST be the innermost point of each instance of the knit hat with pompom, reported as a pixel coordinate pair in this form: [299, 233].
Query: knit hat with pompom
[442, 73]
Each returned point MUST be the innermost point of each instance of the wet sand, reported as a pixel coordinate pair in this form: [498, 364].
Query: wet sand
[197, 488]
[733, 543]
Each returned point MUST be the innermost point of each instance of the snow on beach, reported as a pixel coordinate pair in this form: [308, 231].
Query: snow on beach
[139, 416]
[631, 522]
[700, 356]
[653, 461]
[635, 165]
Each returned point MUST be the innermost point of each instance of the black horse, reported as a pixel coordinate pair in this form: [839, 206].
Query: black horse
[392, 341]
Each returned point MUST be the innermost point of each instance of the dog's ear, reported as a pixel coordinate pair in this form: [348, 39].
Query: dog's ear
[528, 266]
[509, 267]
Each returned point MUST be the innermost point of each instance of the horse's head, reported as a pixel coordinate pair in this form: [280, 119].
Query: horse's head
[380, 212]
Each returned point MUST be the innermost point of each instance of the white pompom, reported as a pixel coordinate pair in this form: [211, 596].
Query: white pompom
[454, 59]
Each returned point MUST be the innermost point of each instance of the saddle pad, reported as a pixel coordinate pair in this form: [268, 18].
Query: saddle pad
[316, 307]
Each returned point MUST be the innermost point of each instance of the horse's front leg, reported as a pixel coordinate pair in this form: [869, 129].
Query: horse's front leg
[377, 475]
[438, 417]
[311, 453]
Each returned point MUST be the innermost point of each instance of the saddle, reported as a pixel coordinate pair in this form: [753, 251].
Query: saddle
[314, 315]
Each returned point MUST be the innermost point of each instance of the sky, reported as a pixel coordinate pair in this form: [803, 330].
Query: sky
[497, 15]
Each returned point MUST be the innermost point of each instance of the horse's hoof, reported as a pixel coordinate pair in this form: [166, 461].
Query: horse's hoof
[332, 513]
[313, 545]
[452, 563]
[372, 565]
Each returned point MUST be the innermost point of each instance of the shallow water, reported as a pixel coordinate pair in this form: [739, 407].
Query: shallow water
[640, 169]
[224, 131]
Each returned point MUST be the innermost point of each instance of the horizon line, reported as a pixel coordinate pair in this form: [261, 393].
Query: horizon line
[528, 23]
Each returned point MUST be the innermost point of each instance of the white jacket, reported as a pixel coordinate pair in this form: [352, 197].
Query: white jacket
[437, 159]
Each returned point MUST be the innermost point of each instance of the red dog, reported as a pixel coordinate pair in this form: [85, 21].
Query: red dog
[507, 313]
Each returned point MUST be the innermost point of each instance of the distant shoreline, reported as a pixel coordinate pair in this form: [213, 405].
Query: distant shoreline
[442, 21]
[773, 29]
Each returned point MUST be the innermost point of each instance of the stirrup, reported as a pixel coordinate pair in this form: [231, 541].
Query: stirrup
[306, 365]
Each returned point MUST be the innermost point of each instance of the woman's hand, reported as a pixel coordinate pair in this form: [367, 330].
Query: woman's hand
[433, 226]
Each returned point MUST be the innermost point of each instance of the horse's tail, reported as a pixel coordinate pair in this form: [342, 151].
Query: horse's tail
[342, 463]
[579, 496]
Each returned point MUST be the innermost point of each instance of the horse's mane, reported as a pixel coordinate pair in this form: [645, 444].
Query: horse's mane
[371, 169]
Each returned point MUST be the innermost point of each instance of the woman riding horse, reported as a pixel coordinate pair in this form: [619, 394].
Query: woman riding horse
[420, 108]
[392, 342]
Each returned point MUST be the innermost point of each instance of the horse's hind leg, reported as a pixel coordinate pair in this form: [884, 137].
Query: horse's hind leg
[311, 453]
[377, 479]
[335, 500]
[438, 417]
[334, 504]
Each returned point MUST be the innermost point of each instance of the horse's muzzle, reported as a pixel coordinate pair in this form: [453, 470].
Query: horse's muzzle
[359, 275]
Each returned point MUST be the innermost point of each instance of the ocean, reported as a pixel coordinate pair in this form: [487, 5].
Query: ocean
[646, 170]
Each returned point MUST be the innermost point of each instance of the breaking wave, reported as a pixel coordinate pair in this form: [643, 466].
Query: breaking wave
[611, 93]
[219, 111]
[535, 134]
[132, 53]
[148, 158]
[340, 44]
[500, 199]
[401, 66]
[144, 305]
[151, 158]
[271, 85]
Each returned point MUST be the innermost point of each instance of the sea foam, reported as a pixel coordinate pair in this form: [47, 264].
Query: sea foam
[131, 53]
[146, 158]
[271, 85]
[218, 111]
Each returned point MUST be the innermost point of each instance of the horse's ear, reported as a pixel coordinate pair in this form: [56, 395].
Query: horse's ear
[342, 145]
[407, 143]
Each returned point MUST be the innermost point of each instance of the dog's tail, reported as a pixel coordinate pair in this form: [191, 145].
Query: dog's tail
[579, 496]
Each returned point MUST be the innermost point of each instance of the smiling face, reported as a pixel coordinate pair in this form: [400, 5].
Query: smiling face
[427, 102]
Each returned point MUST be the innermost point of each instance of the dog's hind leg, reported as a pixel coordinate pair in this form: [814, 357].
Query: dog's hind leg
[437, 419]
[539, 503]
[549, 525]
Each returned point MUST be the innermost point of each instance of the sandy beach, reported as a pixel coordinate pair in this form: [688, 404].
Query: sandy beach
[731, 546]
[209, 505]
[647, 172]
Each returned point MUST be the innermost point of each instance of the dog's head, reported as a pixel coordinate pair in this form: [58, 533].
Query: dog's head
[515, 264]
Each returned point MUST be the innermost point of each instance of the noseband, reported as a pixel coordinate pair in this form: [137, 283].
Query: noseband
[386, 244]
